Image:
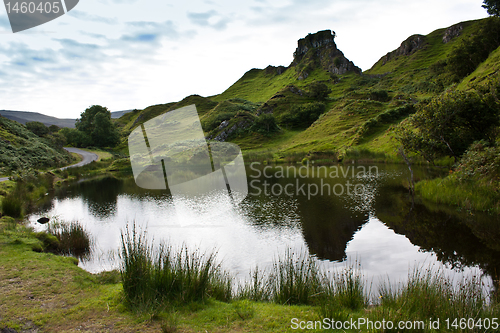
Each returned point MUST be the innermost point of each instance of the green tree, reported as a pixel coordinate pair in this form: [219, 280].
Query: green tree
[75, 137]
[37, 127]
[450, 123]
[54, 128]
[95, 122]
[104, 133]
[492, 6]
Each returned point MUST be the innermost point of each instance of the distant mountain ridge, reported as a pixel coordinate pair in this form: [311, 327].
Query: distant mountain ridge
[26, 116]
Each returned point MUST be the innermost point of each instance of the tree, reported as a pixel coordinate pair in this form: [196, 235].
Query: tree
[95, 122]
[54, 128]
[104, 133]
[75, 137]
[37, 128]
[449, 124]
[492, 6]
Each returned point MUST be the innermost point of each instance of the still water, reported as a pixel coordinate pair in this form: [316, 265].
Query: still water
[341, 215]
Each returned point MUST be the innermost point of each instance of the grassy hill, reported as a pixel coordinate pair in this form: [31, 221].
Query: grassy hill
[360, 111]
[21, 149]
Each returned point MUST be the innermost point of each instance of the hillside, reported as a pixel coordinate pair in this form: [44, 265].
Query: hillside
[24, 116]
[21, 149]
[322, 102]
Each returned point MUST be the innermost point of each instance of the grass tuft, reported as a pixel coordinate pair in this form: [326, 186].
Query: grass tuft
[170, 277]
[73, 239]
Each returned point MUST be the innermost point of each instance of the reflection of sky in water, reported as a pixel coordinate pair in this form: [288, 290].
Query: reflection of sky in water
[385, 255]
[239, 244]
[252, 235]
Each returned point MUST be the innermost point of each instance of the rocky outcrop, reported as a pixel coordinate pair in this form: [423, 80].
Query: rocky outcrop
[408, 47]
[320, 51]
[275, 70]
[452, 32]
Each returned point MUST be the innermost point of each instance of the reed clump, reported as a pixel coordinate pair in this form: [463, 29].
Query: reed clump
[169, 276]
[73, 239]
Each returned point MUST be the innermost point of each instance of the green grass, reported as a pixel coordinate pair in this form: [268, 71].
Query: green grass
[101, 154]
[483, 72]
[73, 238]
[170, 277]
[468, 195]
[50, 293]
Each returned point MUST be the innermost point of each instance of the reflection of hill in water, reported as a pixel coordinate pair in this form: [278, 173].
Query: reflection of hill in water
[458, 239]
[327, 227]
[328, 224]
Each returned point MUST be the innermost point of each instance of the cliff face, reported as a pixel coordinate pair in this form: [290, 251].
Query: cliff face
[320, 51]
[409, 46]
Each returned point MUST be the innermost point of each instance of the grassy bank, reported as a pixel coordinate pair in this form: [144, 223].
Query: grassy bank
[48, 292]
[471, 196]
[473, 186]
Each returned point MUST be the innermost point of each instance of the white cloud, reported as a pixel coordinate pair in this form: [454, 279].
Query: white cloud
[131, 54]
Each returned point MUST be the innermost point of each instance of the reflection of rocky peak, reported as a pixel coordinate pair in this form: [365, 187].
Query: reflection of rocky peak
[408, 47]
[452, 32]
[320, 51]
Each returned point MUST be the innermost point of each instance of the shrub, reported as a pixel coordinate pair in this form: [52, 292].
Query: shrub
[319, 90]
[265, 123]
[302, 116]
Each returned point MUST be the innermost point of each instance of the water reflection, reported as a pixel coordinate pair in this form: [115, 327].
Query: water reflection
[379, 225]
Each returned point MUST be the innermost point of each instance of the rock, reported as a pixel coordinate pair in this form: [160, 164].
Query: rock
[224, 124]
[320, 51]
[452, 32]
[275, 70]
[43, 220]
[408, 47]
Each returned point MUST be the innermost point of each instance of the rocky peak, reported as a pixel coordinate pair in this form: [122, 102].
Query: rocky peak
[319, 50]
[311, 41]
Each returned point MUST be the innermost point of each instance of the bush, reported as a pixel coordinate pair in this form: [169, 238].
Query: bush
[302, 116]
[265, 123]
[448, 124]
[471, 51]
[379, 95]
[37, 128]
[319, 90]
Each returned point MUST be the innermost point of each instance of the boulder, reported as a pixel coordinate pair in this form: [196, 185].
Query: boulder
[43, 220]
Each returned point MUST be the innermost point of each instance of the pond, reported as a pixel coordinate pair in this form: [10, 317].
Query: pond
[340, 214]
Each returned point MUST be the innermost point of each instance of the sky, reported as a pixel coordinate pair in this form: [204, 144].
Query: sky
[128, 54]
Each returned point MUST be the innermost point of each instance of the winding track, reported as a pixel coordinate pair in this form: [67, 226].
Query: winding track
[87, 158]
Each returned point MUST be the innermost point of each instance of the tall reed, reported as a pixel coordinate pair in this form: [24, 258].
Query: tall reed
[170, 276]
[73, 238]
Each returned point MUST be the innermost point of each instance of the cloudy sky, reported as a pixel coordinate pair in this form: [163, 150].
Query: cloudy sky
[127, 54]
